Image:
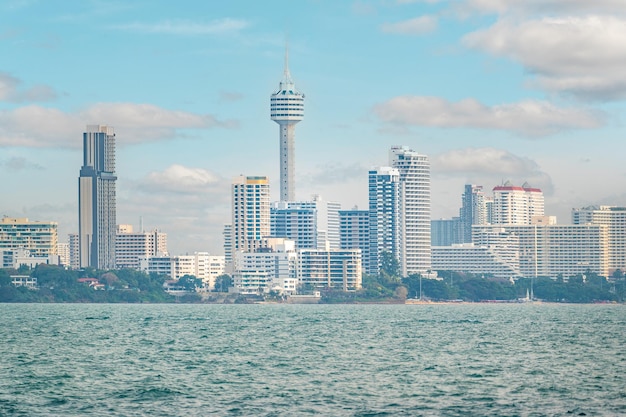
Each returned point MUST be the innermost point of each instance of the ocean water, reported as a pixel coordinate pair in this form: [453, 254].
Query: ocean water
[330, 360]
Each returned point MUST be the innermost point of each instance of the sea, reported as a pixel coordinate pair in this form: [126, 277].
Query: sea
[528, 359]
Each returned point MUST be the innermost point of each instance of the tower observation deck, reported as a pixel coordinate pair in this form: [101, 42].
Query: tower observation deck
[287, 109]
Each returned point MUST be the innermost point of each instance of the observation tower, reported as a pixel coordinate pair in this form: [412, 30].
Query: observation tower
[287, 109]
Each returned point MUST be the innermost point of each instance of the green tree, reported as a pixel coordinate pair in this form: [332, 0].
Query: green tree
[190, 282]
[223, 283]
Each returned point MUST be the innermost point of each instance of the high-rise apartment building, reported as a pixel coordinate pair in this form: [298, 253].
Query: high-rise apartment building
[338, 268]
[414, 170]
[72, 240]
[97, 199]
[130, 246]
[614, 218]
[384, 216]
[287, 109]
[547, 249]
[39, 238]
[251, 212]
[310, 224]
[354, 232]
[473, 211]
[516, 205]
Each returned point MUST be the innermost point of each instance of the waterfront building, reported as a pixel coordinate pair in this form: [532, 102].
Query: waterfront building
[516, 205]
[201, 265]
[310, 224]
[227, 233]
[497, 261]
[39, 238]
[614, 218]
[130, 245]
[552, 250]
[97, 199]
[338, 269]
[354, 232]
[414, 170]
[250, 211]
[267, 268]
[384, 216]
[287, 109]
[15, 258]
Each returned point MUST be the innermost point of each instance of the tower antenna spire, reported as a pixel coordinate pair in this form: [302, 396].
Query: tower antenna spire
[287, 73]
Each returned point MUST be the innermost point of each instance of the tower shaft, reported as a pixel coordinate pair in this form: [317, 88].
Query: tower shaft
[287, 170]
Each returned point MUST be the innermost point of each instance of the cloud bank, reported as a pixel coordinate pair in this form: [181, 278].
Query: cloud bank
[42, 127]
[581, 56]
[529, 118]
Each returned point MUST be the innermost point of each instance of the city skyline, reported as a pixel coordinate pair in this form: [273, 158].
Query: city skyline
[186, 89]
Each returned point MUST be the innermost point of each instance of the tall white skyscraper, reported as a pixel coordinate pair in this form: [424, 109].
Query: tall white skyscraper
[384, 216]
[96, 199]
[251, 212]
[414, 170]
[287, 109]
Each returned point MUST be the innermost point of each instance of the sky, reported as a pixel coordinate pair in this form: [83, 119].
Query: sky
[491, 90]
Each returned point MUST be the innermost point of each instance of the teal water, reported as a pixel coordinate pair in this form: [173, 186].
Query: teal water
[331, 360]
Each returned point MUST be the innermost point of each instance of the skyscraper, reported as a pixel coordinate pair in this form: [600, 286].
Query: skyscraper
[384, 216]
[473, 211]
[287, 109]
[251, 212]
[96, 199]
[414, 172]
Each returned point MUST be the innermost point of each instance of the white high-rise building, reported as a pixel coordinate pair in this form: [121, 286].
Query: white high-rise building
[614, 218]
[287, 109]
[130, 246]
[354, 232]
[547, 249]
[414, 170]
[73, 241]
[39, 238]
[516, 205]
[251, 212]
[272, 267]
[96, 199]
[339, 268]
[384, 216]
[311, 224]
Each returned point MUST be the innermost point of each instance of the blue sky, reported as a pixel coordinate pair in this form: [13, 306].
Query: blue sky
[490, 90]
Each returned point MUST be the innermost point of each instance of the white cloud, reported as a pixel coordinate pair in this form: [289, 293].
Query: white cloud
[186, 27]
[181, 179]
[482, 161]
[416, 26]
[529, 118]
[583, 56]
[489, 166]
[18, 163]
[10, 92]
[561, 6]
[36, 126]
